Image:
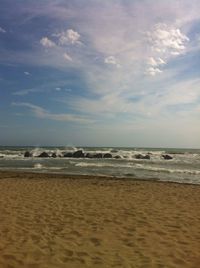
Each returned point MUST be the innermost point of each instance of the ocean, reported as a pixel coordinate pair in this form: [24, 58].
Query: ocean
[183, 167]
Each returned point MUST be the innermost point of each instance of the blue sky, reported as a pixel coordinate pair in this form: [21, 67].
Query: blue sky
[100, 73]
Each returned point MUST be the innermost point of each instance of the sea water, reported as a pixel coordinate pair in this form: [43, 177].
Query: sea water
[184, 167]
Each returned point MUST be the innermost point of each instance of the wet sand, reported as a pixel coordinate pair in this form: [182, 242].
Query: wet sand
[68, 221]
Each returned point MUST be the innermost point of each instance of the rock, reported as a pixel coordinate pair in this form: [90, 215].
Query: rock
[99, 155]
[117, 157]
[78, 154]
[28, 154]
[54, 155]
[107, 155]
[89, 155]
[167, 157]
[43, 154]
[68, 155]
[147, 156]
[140, 156]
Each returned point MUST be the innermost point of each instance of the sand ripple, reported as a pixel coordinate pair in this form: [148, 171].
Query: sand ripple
[58, 222]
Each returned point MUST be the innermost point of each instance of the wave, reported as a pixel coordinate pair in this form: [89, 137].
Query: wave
[11, 156]
[100, 164]
[38, 166]
[168, 170]
[138, 167]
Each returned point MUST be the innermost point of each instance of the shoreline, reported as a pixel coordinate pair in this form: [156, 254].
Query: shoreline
[56, 220]
[20, 173]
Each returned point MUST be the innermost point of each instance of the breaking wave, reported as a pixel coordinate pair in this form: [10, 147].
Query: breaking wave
[183, 166]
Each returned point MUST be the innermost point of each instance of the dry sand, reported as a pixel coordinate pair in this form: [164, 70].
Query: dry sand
[64, 221]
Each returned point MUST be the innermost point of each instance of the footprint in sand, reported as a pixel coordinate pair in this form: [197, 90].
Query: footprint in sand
[9, 257]
[82, 254]
[97, 260]
[95, 241]
[68, 252]
[75, 233]
[73, 260]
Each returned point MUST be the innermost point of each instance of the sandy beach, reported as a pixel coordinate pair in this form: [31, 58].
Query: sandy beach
[67, 221]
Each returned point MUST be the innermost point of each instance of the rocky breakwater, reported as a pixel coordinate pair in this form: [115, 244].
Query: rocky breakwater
[99, 155]
[76, 154]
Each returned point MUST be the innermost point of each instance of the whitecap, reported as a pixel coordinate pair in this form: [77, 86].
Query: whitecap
[38, 166]
[168, 170]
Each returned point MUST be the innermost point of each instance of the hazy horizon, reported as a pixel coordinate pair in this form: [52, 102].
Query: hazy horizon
[90, 146]
[94, 73]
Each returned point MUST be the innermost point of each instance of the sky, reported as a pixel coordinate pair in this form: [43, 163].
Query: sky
[100, 73]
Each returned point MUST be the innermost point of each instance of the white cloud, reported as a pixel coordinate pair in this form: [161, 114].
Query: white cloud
[112, 60]
[73, 36]
[69, 37]
[166, 42]
[155, 62]
[25, 92]
[65, 89]
[26, 73]
[154, 66]
[153, 71]
[167, 39]
[152, 61]
[44, 114]
[67, 57]
[46, 42]
[160, 61]
[2, 30]
[176, 53]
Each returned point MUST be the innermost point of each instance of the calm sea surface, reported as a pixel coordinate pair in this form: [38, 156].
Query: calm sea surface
[184, 167]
